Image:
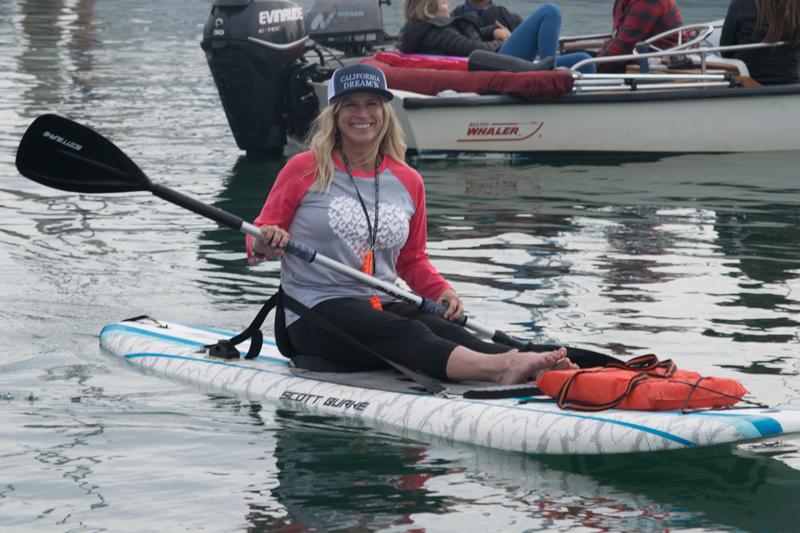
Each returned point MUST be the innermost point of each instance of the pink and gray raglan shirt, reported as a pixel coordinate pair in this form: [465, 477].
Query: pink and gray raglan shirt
[334, 224]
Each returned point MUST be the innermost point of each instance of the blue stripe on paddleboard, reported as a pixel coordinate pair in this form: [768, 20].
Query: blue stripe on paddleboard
[223, 332]
[638, 427]
[176, 340]
[751, 426]
[198, 360]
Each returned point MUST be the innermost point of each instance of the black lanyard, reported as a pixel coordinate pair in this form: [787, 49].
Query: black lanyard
[373, 230]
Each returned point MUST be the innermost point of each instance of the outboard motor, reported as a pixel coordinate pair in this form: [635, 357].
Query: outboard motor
[352, 26]
[252, 48]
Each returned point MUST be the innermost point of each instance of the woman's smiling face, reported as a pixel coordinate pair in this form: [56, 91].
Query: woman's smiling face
[360, 119]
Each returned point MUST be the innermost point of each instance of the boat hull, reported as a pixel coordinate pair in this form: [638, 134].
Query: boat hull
[524, 424]
[709, 120]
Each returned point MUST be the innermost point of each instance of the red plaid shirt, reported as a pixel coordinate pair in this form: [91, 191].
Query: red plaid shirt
[636, 21]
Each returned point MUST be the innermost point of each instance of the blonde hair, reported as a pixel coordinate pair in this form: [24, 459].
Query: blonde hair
[421, 10]
[782, 20]
[323, 140]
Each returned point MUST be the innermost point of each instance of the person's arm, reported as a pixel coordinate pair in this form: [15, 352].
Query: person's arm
[278, 210]
[449, 41]
[487, 32]
[496, 32]
[415, 268]
[413, 264]
[638, 25]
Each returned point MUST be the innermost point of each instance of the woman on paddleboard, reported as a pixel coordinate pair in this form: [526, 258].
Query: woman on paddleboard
[353, 198]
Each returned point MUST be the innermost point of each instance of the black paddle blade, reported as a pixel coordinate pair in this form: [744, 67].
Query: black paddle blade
[65, 155]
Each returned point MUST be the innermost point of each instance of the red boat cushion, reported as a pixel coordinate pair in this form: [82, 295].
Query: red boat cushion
[537, 85]
[398, 59]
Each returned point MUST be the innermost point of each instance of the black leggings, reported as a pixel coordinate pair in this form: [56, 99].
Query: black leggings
[400, 333]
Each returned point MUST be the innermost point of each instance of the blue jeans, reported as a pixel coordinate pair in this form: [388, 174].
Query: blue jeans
[538, 36]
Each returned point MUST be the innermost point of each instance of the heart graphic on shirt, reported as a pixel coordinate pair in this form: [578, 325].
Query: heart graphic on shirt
[347, 220]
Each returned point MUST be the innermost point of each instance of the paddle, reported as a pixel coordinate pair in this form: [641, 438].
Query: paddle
[65, 155]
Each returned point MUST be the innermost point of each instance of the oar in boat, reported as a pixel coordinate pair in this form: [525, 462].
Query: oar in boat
[65, 155]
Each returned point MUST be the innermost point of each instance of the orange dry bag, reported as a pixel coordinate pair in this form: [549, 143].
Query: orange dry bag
[643, 383]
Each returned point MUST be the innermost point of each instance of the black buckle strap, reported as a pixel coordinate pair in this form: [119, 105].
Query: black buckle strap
[226, 348]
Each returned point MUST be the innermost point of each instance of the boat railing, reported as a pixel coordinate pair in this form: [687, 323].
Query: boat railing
[688, 36]
[582, 42]
[645, 82]
[654, 74]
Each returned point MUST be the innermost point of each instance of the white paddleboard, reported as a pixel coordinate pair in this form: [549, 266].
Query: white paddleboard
[384, 399]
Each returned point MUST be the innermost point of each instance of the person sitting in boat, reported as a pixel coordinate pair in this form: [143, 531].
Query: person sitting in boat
[488, 14]
[328, 198]
[429, 29]
[757, 21]
[635, 21]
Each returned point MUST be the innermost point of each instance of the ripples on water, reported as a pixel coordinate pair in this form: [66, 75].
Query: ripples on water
[695, 257]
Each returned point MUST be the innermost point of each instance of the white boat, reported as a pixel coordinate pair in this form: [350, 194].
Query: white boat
[713, 106]
[669, 121]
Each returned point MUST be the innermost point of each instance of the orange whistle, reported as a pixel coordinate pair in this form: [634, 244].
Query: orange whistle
[368, 267]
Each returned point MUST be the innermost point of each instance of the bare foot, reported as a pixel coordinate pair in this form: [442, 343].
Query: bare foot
[564, 364]
[524, 366]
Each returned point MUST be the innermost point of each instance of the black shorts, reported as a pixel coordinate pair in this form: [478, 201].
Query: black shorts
[400, 333]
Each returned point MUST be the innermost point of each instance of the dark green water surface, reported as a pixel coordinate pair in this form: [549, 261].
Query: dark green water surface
[693, 257]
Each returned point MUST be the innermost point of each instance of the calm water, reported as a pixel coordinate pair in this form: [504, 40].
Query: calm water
[694, 257]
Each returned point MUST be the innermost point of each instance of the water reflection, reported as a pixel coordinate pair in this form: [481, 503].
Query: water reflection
[58, 39]
[347, 478]
[702, 488]
[335, 475]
